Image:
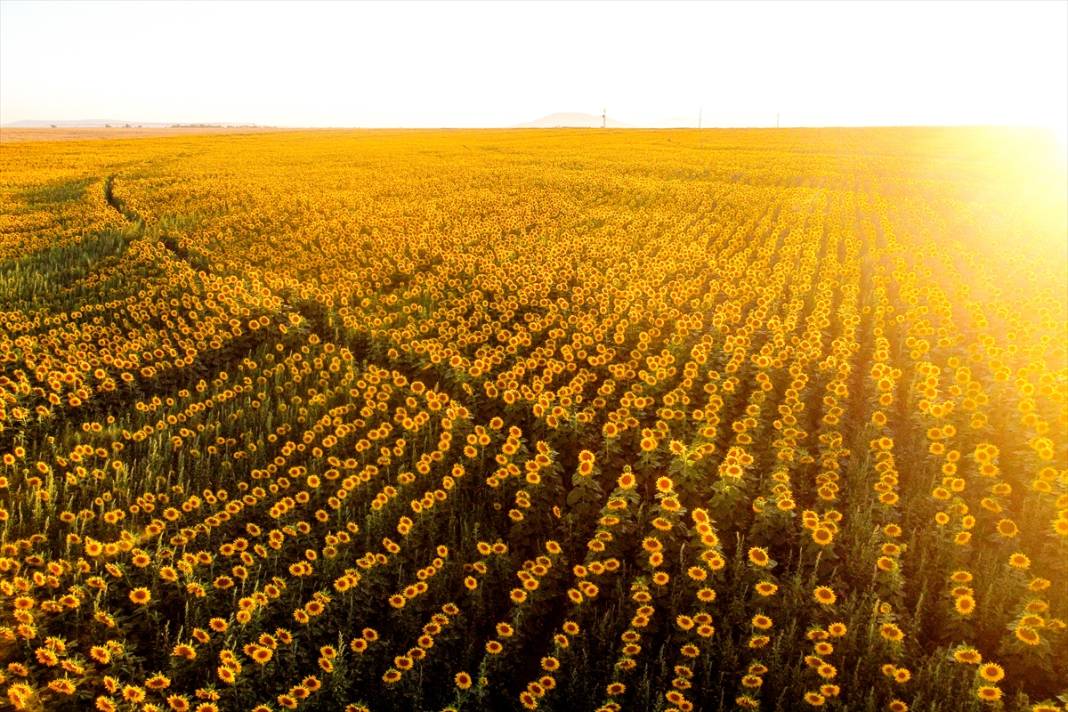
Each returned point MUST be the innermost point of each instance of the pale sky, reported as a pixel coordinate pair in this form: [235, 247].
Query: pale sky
[481, 64]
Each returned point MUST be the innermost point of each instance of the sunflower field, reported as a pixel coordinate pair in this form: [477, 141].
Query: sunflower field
[535, 420]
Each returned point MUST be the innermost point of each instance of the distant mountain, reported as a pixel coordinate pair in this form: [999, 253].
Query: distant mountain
[571, 120]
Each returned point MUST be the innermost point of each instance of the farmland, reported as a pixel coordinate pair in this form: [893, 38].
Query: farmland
[555, 420]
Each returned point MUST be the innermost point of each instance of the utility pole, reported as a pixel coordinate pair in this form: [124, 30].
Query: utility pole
[604, 118]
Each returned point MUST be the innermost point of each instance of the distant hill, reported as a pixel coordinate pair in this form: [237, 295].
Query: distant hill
[570, 120]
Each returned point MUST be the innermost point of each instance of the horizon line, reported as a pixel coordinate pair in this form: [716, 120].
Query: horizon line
[627, 127]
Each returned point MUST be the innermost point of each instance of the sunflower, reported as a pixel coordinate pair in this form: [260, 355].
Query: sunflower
[178, 703]
[885, 563]
[890, 632]
[967, 655]
[133, 694]
[1027, 635]
[824, 595]
[1007, 529]
[766, 588]
[183, 650]
[991, 672]
[62, 686]
[690, 650]
[1019, 561]
[758, 556]
[140, 596]
[158, 681]
[262, 655]
[965, 605]
[822, 536]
